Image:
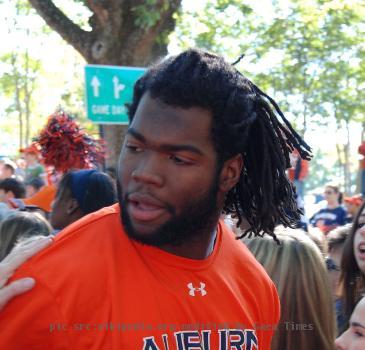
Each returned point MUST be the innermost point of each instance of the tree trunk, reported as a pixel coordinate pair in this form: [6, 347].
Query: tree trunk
[347, 171]
[305, 117]
[340, 161]
[17, 99]
[128, 33]
[27, 98]
[114, 136]
[359, 168]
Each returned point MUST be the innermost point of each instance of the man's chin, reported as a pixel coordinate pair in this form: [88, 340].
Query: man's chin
[151, 238]
[144, 233]
[140, 233]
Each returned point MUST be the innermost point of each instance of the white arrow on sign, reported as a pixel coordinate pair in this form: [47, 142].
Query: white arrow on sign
[117, 87]
[95, 83]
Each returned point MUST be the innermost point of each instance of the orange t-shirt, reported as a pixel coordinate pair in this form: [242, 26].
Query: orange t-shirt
[43, 198]
[98, 289]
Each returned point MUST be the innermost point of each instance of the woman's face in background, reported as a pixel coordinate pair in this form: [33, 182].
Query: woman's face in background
[359, 242]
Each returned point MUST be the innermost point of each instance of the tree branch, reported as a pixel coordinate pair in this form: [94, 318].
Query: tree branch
[59, 22]
[144, 45]
[99, 9]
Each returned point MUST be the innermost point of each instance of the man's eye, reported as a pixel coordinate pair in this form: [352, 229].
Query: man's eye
[178, 160]
[133, 148]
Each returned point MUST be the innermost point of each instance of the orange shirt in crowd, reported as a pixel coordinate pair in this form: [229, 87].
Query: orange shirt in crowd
[43, 198]
[98, 289]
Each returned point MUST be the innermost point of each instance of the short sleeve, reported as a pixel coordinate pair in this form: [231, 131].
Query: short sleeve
[33, 321]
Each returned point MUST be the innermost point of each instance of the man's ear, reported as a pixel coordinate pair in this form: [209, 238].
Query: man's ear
[230, 173]
[72, 206]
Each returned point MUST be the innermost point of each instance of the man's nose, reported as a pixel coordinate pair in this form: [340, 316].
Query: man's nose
[149, 171]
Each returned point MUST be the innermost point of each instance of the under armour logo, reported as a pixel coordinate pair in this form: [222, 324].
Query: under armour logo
[192, 289]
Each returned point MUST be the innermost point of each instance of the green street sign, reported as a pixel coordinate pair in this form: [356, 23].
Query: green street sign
[107, 90]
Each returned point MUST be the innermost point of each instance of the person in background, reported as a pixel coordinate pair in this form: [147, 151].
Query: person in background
[352, 277]
[20, 168]
[354, 337]
[7, 169]
[298, 172]
[353, 205]
[64, 146]
[4, 211]
[112, 172]
[33, 168]
[362, 168]
[80, 193]
[33, 186]
[298, 270]
[333, 215]
[319, 238]
[20, 225]
[11, 188]
[335, 244]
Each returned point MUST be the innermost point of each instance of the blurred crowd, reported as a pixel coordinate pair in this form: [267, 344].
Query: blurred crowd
[35, 201]
[318, 269]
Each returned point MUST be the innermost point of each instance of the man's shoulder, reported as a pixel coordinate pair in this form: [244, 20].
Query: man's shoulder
[77, 244]
[91, 224]
[70, 278]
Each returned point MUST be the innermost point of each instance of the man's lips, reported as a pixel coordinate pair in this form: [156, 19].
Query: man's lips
[144, 207]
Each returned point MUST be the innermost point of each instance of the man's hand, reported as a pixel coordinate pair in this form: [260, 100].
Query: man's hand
[11, 262]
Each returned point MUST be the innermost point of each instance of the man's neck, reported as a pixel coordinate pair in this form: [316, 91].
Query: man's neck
[197, 248]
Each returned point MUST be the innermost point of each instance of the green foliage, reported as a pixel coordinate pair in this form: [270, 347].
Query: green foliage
[221, 26]
[148, 14]
[18, 73]
[309, 56]
[14, 68]
[72, 102]
[319, 172]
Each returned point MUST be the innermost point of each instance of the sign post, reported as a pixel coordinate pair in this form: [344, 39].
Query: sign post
[107, 90]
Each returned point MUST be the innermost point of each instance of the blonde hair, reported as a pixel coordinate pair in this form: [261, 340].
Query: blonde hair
[298, 270]
[18, 226]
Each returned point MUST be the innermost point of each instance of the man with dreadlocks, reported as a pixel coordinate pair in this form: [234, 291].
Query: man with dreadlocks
[160, 270]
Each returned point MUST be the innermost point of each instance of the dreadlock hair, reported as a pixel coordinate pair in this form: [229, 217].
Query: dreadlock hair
[245, 121]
